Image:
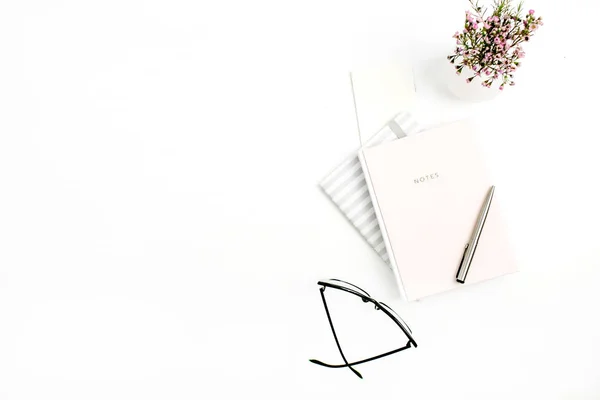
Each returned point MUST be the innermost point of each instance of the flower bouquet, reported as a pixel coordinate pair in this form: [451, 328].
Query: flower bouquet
[489, 48]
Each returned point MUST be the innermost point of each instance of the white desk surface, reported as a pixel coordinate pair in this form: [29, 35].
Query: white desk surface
[161, 229]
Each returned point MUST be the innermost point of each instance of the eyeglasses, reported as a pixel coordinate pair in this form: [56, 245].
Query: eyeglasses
[366, 298]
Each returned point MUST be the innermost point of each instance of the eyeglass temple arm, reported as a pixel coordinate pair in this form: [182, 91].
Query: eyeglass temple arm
[337, 342]
[408, 346]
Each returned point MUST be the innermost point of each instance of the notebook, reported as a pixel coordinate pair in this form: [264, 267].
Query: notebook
[427, 191]
[381, 90]
[346, 187]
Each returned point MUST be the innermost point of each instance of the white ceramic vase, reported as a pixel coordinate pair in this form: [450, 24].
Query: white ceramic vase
[473, 91]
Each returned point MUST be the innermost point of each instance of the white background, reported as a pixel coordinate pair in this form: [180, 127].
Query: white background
[162, 232]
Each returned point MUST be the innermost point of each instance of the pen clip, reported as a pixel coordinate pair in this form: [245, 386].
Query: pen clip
[461, 260]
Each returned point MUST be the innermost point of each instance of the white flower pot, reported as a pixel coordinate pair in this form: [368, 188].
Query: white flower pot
[473, 91]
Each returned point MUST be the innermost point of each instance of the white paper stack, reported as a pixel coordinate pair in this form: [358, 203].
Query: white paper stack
[383, 95]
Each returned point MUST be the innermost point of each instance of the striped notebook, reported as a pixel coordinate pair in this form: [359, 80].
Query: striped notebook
[347, 188]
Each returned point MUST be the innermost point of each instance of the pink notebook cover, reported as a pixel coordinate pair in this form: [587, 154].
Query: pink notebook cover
[427, 192]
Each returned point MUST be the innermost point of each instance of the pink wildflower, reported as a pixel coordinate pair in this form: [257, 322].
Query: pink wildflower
[490, 52]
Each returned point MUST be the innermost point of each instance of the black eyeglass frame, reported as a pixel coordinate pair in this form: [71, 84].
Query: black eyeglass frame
[365, 297]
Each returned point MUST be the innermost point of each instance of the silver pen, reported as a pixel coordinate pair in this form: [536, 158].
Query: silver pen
[471, 246]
